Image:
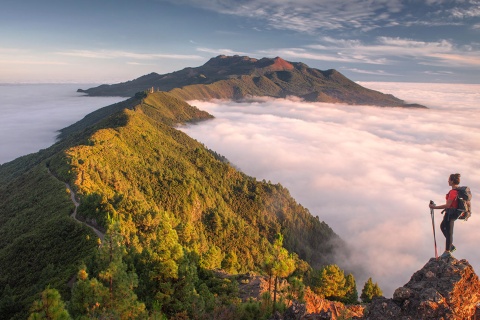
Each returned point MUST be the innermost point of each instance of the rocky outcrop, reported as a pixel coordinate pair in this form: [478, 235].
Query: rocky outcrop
[319, 308]
[443, 289]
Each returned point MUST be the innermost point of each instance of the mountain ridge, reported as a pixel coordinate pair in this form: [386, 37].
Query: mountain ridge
[241, 77]
[178, 206]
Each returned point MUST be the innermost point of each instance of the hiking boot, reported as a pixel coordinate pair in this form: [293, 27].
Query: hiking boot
[452, 248]
[446, 254]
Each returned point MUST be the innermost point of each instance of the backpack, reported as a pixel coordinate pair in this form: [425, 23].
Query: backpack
[464, 208]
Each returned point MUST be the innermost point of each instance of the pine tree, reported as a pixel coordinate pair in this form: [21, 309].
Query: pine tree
[283, 264]
[212, 259]
[351, 295]
[370, 290]
[121, 302]
[158, 265]
[8, 306]
[88, 296]
[184, 296]
[296, 289]
[50, 307]
[267, 267]
[332, 282]
[230, 263]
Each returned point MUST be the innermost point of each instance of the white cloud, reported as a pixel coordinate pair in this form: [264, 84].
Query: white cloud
[438, 73]
[373, 72]
[470, 12]
[369, 172]
[308, 15]
[12, 50]
[455, 59]
[32, 62]
[326, 55]
[221, 51]
[133, 63]
[18, 56]
[114, 54]
[388, 51]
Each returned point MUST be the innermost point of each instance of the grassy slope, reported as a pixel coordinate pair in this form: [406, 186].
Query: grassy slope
[159, 168]
[311, 84]
[131, 163]
[40, 244]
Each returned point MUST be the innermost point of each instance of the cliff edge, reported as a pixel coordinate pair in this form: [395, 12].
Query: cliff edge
[443, 289]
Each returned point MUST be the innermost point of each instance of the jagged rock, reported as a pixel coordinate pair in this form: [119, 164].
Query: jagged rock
[295, 312]
[276, 316]
[382, 308]
[442, 289]
[322, 315]
[402, 294]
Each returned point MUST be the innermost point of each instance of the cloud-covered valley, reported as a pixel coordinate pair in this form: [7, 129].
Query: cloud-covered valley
[368, 172]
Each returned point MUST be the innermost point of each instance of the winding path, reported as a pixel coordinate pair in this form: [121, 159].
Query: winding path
[76, 203]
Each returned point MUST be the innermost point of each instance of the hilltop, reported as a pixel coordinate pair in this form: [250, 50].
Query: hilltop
[241, 77]
[171, 211]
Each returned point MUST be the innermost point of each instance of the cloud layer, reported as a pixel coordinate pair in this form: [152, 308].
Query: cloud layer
[368, 172]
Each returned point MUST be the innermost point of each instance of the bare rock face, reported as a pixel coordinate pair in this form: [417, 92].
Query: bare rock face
[443, 289]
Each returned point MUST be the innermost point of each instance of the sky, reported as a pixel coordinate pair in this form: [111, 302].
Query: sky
[368, 172]
[111, 41]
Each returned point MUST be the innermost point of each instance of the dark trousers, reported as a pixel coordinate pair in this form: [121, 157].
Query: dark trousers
[447, 229]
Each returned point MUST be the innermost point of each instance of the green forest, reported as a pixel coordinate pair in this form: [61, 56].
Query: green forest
[183, 230]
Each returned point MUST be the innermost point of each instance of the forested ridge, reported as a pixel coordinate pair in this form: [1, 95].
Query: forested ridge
[174, 213]
[241, 77]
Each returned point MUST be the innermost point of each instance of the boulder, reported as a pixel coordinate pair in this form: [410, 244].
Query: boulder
[443, 289]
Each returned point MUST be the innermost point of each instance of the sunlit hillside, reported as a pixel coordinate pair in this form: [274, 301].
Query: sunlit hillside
[168, 208]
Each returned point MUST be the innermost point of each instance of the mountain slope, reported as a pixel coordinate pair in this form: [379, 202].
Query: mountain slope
[237, 78]
[178, 207]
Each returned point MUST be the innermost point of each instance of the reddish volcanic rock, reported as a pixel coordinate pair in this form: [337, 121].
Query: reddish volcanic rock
[280, 64]
[442, 289]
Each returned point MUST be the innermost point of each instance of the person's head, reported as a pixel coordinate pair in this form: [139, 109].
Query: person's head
[454, 178]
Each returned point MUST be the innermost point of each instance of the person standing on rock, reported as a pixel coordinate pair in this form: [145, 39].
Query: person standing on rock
[449, 217]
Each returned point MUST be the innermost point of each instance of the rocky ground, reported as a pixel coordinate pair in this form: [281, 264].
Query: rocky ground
[444, 289]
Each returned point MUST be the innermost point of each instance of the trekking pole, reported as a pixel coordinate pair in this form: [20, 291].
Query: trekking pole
[433, 227]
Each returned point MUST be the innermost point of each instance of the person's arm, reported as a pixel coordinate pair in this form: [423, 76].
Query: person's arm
[442, 206]
[451, 197]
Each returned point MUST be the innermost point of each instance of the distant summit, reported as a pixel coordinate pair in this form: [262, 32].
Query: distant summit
[241, 77]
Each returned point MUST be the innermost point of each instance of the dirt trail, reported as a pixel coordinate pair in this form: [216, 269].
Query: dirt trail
[76, 203]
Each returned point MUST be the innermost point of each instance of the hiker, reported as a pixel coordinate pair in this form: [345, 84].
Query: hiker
[450, 215]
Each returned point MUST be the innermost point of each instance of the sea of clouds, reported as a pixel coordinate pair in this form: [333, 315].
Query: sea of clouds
[32, 114]
[368, 172]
